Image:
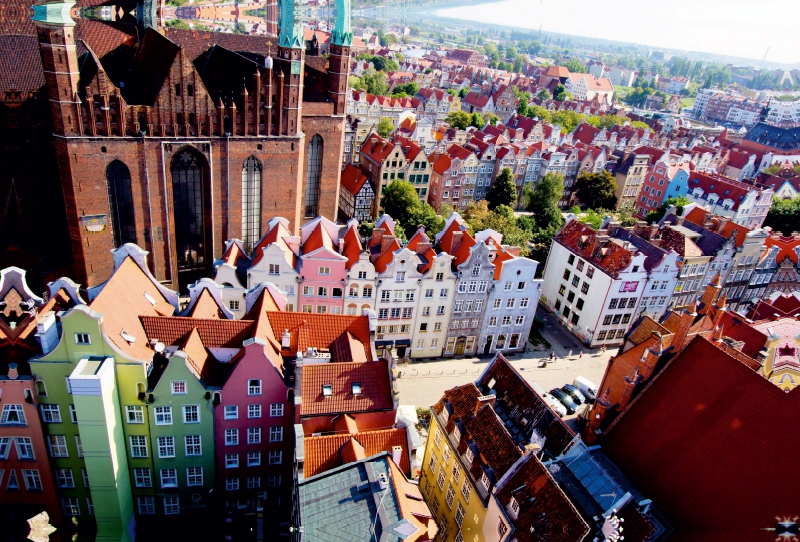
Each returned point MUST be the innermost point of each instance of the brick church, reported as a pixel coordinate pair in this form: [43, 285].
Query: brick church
[172, 139]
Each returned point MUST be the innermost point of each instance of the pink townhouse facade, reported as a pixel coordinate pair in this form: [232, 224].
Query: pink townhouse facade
[323, 271]
[253, 430]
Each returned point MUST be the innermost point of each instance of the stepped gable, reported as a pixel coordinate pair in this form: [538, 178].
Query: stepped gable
[373, 376]
[686, 442]
[324, 453]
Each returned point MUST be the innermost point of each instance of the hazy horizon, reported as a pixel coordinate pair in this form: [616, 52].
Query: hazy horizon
[727, 27]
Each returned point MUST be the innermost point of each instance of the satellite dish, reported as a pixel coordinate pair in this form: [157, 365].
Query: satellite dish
[159, 347]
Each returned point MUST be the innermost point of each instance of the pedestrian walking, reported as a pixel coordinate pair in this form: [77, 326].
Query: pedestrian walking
[552, 355]
[603, 349]
[570, 353]
[580, 355]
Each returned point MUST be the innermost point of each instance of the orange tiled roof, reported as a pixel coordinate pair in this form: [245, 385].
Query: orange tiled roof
[275, 235]
[319, 330]
[206, 307]
[374, 377]
[319, 238]
[581, 239]
[324, 453]
[122, 300]
[353, 179]
[352, 247]
[215, 333]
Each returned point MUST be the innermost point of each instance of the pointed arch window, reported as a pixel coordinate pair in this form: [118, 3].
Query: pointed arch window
[187, 195]
[313, 173]
[251, 202]
[120, 203]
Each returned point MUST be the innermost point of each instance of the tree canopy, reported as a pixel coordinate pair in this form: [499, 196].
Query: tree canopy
[401, 201]
[560, 93]
[543, 200]
[408, 89]
[503, 190]
[576, 66]
[459, 119]
[596, 190]
[784, 215]
[679, 202]
[478, 216]
[385, 127]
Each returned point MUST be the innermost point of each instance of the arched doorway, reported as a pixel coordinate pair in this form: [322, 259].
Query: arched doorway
[460, 342]
[191, 212]
[120, 203]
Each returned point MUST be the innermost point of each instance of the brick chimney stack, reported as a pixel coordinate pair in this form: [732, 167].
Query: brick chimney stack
[596, 416]
[650, 357]
[483, 401]
[710, 294]
[630, 383]
[687, 319]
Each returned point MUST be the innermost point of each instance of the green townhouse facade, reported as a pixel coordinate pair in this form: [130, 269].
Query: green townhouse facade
[83, 379]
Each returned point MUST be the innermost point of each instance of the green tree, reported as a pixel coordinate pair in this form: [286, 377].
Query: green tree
[543, 200]
[463, 92]
[409, 89]
[502, 220]
[596, 190]
[384, 128]
[492, 118]
[784, 215]
[522, 107]
[576, 66]
[537, 111]
[594, 217]
[459, 119]
[560, 93]
[445, 210]
[679, 202]
[398, 198]
[543, 94]
[422, 215]
[503, 190]
[568, 120]
[477, 120]
[374, 82]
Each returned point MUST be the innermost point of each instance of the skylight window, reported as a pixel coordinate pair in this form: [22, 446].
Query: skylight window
[150, 298]
[356, 388]
[130, 339]
[327, 390]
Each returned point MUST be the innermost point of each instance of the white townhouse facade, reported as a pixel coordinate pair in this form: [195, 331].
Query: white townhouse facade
[434, 308]
[397, 290]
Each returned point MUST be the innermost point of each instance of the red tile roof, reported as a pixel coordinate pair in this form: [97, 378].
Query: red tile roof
[585, 133]
[317, 239]
[353, 179]
[214, 333]
[319, 330]
[206, 307]
[374, 377]
[376, 148]
[441, 163]
[784, 305]
[581, 240]
[276, 234]
[352, 246]
[687, 443]
[325, 452]
[787, 246]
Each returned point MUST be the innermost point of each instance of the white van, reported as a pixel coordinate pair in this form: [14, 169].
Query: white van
[587, 387]
[551, 401]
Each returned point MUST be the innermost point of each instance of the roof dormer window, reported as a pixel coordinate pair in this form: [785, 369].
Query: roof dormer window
[327, 390]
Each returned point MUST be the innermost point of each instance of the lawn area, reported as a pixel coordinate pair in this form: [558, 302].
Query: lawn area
[687, 103]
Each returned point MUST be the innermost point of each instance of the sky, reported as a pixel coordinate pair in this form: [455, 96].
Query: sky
[732, 27]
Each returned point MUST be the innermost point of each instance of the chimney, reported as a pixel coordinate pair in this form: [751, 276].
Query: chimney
[598, 413]
[716, 336]
[286, 339]
[710, 294]
[717, 309]
[687, 319]
[485, 400]
[386, 241]
[456, 242]
[397, 453]
[708, 222]
[630, 383]
[13, 373]
[377, 236]
[723, 221]
[641, 229]
[650, 357]
[423, 246]
[341, 245]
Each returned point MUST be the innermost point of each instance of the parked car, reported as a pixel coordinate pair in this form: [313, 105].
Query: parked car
[565, 400]
[553, 403]
[574, 392]
[588, 388]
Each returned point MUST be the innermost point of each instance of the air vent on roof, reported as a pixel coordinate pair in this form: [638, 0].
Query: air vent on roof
[130, 339]
[383, 480]
[150, 298]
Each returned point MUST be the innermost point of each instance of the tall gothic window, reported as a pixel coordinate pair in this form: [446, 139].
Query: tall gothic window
[187, 198]
[312, 176]
[251, 202]
[120, 203]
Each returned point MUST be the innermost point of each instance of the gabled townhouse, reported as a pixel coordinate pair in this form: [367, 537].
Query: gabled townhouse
[435, 104]
[592, 284]
[420, 131]
[512, 300]
[418, 166]
[96, 376]
[323, 273]
[356, 195]
[780, 263]
[360, 272]
[397, 290]
[477, 102]
[584, 86]
[230, 274]
[657, 182]
[481, 437]
[384, 161]
[355, 133]
[371, 109]
[470, 299]
[436, 290]
[630, 177]
[275, 260]
[505, 101]
[743, 203]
